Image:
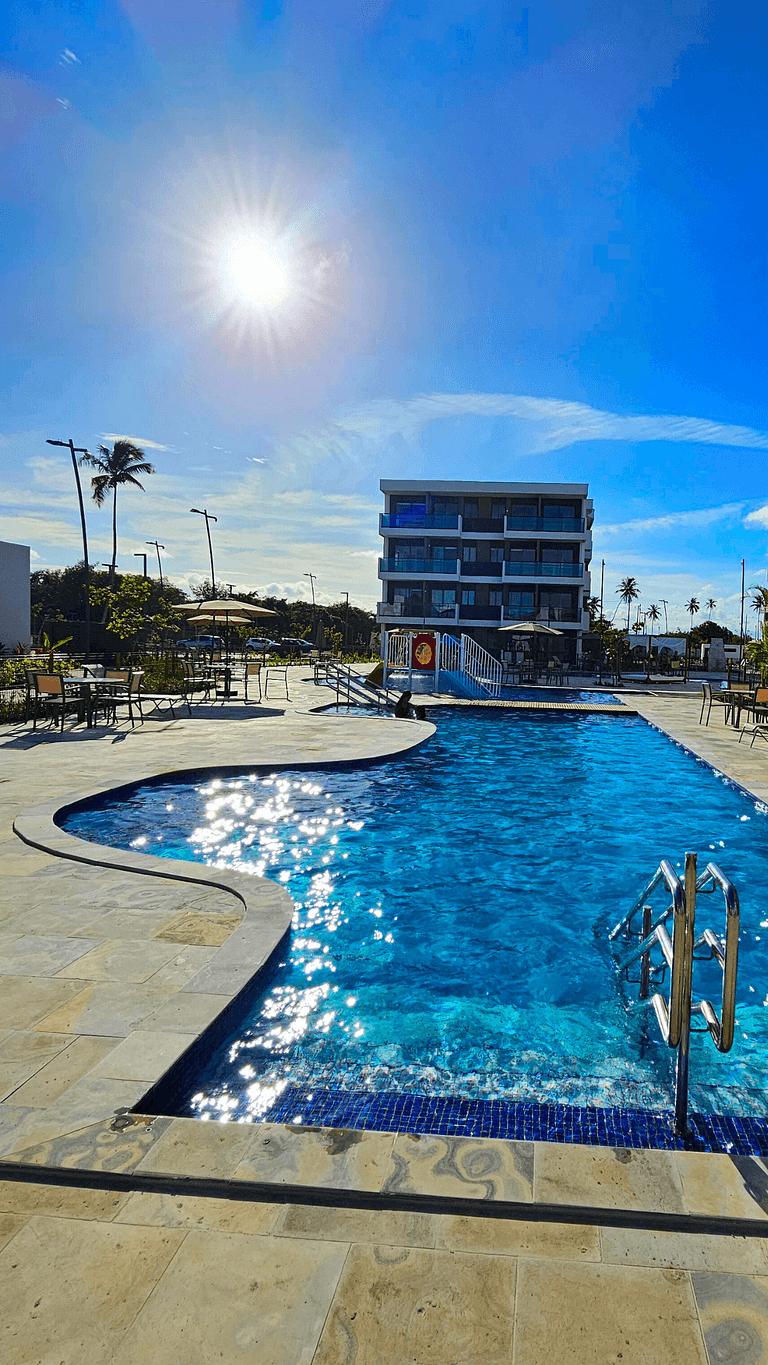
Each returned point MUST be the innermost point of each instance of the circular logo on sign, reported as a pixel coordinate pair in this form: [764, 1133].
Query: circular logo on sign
[423, 654]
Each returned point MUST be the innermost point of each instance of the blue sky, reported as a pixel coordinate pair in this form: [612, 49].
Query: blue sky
[514, 243]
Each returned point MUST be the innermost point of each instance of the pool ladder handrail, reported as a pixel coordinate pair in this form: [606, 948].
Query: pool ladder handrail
[679, 953]
[350, 687]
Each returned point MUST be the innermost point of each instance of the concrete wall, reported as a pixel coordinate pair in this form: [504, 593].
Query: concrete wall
[14, 595]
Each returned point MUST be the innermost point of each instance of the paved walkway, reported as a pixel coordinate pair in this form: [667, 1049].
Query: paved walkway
[301, 1245]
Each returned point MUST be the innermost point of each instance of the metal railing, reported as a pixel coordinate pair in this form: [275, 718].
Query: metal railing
[679, 953]
[351, 688]
[541, 568]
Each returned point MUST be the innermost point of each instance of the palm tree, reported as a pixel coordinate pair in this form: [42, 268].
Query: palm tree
[710, 605]
[760, 601]
[692, 607]
[653, 615]
[628, 591]
[119, 465]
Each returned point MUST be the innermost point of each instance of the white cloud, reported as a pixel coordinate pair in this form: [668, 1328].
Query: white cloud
[757, 518]
[135, 440]
[702, 516]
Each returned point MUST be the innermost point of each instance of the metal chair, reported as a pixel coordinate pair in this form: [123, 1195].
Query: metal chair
[252, 671]
[708, 697]
[50, 696]
[271, 672]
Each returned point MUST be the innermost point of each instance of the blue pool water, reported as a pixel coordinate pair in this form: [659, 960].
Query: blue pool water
[452, 909]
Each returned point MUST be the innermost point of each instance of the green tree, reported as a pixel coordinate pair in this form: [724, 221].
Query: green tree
[692, 607]
[628, 591]
[710, 605]
[126, 606]
[653, 614]
[116, 467]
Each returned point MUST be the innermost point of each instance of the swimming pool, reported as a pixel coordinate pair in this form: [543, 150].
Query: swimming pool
[452, 909]
[563, 694]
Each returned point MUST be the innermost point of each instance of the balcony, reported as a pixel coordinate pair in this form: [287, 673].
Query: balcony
[485, 525]
[476, 613]
[557, 525]
[415, 521]
[480, 569]
[537, 568]
[416, 567]
[546, 616]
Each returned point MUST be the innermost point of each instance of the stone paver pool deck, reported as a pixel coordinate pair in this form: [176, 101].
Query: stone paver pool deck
[178, 1240]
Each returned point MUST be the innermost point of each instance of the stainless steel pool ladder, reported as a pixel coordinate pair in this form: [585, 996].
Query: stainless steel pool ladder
[679, 954]
[350, 687]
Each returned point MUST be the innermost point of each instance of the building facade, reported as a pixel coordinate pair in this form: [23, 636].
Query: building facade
[472, 557]
[14, 597]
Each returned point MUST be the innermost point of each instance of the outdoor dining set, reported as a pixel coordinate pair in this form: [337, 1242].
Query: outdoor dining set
[735, 701]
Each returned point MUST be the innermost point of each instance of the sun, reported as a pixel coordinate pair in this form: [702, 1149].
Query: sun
[253, 271]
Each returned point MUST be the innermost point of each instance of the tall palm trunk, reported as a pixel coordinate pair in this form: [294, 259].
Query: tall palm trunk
[113, 565]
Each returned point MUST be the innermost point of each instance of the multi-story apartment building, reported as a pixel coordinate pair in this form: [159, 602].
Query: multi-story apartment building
[471, 557]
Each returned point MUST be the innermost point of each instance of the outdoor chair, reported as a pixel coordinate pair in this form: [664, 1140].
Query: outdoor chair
[253, 675]
[193, 683]
[708, 698]
[759, 710]
[51, 698]
[29, 693]
[271, 672]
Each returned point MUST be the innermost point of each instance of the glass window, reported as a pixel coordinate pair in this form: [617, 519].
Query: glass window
[521, 599]
[467, 597]
[444, 552]
[497, 554]
[495, 597]
[406, 505]
[445, 507]
[469, 554]
[443, 601]
[470, 509]
[523, 509]
[498, 509]
[522, 554]
[555, 509]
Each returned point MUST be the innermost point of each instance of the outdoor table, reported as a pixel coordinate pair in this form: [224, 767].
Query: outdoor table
[87, 688]
[217, 671]
[739, 701]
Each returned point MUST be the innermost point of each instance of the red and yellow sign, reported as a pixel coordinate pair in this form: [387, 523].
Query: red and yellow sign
[423, 652]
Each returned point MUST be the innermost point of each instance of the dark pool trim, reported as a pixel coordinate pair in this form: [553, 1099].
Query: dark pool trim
[518, 1121]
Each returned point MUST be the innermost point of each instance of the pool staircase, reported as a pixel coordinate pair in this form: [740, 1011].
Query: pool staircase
[678, 954]
[468, 669]
[351, 688]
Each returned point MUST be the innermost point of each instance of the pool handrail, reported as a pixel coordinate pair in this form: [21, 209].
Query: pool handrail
[665, 872]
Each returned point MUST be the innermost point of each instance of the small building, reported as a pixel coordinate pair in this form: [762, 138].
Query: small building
[14, 595]
[469, 558]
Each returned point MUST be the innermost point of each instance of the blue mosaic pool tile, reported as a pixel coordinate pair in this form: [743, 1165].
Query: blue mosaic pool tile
[528, 1121]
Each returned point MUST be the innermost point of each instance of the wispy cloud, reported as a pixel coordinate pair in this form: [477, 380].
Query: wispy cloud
[759, 517]
[700, 516]
[135, 440]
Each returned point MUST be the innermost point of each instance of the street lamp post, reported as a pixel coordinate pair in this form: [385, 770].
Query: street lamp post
[208, 519]
[231, 587]
[139, 554]
[158, 547]
[665, 604]
[312, 577]
[346, 623]
[74, 451]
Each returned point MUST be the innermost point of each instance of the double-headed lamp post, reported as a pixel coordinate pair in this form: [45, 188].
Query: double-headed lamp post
[74, 452]
[203, 512]
[312, 577]
[158, 547]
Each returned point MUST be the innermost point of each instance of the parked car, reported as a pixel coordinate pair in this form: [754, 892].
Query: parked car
[263, 646]
[290, 644]
[202, 642]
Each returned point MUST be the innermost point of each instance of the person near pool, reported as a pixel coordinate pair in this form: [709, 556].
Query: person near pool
[405, 711]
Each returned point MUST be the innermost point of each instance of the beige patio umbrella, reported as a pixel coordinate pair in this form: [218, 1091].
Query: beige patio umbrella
[531, 628]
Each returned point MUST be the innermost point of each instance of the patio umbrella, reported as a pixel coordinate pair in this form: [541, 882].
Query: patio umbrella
[531, 628]
[227, 606]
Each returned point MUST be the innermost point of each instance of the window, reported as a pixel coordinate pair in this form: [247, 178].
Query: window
[445, 507]
[469, 554]
[470, 509]
[467, 597]
[523, 509]
[554, 510]
[495, 597]
[521, 599]
[444, 552]
[443, 601]
[497, 554]
[498, 510]
[406, 505]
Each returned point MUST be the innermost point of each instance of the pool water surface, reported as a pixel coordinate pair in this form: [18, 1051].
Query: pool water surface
[452, 909]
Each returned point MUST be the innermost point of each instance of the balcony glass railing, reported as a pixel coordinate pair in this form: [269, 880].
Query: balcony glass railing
[537, 568]
[401, 521]
[560, 525]
[493, 524]
[484, 569]
[418, 566]
[476, 613]
[546, 615]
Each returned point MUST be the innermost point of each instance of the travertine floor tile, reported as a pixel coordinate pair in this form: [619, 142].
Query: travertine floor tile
[43, 955]
[579, 1314]
[69, 1290]
[74, 1062]
[9, 1226]
[408, 1306]
[143, 1055]
[186, 1012]
[61, 1201]
[25, 1000]
[121, 960]
[338, 1157]
[110, 1009]
[206, 1215]
[734, 1315]
[31, 1046]
[211, 930]
[720, 1185]
[189, 1147]
[517, 1237]
[357, 1225]
[13, 1075]
[96, 1147]
[472, 1168]
[229, 1297]
[685, 1251]
[607, 1177]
